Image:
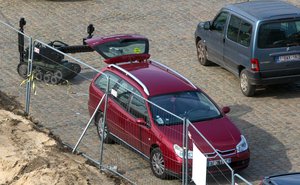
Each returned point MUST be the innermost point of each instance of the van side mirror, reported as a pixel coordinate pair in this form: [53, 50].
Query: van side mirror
[225, 110]
[141, 121]
[207, 25]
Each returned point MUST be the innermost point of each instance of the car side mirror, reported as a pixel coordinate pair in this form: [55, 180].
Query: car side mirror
[141, 121]
[207, 25]
[225, 110]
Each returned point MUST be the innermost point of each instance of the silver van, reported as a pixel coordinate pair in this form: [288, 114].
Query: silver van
[258, 41]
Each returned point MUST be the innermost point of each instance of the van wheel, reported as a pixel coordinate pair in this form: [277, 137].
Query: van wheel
[246, 88]
[202, 54]
[105, 134]
[158, 164]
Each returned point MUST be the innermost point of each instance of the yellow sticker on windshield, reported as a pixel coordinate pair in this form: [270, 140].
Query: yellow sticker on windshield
[137, 50]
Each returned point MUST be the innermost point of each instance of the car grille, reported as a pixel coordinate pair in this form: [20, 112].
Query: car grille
[223, 153]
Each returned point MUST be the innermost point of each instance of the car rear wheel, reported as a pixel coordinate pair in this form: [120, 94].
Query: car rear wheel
[202, 54]
[98, 122]
[246, 88]
[158, 164]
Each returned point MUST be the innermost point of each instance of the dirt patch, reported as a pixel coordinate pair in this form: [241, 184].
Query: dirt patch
[29, 156]
[9, 102]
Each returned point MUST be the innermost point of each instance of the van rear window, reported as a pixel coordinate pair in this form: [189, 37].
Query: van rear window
[279, 34]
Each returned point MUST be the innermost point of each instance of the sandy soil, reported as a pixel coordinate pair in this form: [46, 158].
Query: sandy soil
[28, 155]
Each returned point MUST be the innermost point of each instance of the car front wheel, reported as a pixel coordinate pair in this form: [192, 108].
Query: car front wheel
[158, 164]
[202, 54]
[246, 88]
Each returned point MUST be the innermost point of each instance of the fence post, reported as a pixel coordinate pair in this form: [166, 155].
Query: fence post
[22, 23]
[232, 178]
[185, 153]
[104, 122]
[29, 73]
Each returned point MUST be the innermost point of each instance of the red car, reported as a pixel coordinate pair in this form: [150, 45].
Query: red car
[146, 103]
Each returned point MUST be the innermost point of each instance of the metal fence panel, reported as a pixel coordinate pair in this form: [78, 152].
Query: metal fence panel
[63, 107]
[10, 45]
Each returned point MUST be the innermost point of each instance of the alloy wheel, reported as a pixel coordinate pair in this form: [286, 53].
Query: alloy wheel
[158, 163]
[244, 82]
[100, 130]
[201, 53]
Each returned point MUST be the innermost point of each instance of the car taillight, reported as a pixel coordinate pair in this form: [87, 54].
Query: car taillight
[254, 64]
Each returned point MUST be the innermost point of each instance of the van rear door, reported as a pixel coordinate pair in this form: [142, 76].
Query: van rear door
[278, 48]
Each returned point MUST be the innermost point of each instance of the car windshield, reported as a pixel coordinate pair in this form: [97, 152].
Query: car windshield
[122, 47]
[279, 34]
[192, 105]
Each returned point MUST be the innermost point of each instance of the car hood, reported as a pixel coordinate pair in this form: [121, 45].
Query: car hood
[221, 133]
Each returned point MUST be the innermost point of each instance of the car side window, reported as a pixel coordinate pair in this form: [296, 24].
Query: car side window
[245, 34]
[101, 81]
[138, 107]
[219, 22]
[239, 31]
[119, 89]
[121, 93]
[233, 28]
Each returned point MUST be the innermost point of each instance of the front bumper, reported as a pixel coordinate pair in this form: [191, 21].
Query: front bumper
[239, 162]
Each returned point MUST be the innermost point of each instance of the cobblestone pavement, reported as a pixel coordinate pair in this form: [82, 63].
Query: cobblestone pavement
[270, 121]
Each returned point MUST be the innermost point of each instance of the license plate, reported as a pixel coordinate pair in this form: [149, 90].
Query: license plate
[288, 58]
[218, 162]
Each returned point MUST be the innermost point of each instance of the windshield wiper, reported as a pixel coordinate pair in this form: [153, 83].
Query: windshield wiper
[206, 119]
[288, 43]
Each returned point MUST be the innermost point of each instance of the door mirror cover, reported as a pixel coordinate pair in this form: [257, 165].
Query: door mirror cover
[141, 121]
[207, 25]
[225, 110]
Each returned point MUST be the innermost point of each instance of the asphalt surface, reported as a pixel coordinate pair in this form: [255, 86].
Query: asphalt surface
[270, 121]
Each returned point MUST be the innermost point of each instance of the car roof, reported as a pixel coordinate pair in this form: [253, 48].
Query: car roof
[157, 79]
[265, 9]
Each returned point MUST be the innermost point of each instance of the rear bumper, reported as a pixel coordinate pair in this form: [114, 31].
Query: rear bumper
[256, 78]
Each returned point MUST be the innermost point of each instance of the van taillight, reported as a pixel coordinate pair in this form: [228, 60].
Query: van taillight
[254, 64]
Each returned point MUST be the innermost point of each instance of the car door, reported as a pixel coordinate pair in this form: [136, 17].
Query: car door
[97, 90]
[117, 111]
[237, 51]
[137, 110]
[215, 41]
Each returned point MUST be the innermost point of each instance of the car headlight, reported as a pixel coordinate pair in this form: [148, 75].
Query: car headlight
[179, 152]
[242, 146]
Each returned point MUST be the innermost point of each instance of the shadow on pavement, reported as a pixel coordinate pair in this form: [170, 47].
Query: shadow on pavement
[262, 145]
[280, 91]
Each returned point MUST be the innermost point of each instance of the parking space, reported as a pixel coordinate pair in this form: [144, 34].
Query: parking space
[270, 121]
